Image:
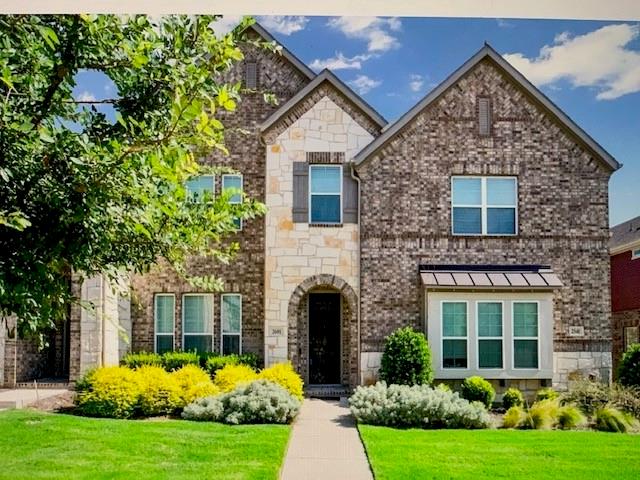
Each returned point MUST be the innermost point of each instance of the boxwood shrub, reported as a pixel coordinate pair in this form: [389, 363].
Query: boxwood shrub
[174, 360]
[477, 389]
[406, 359]
[512, 398]
[629, 369]
[135, 360]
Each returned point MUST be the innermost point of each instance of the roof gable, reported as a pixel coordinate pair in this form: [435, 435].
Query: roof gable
[391, 130]
[625, 235]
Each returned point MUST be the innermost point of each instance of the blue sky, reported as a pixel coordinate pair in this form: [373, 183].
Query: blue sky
[591, 70]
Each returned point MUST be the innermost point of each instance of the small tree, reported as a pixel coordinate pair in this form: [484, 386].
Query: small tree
[406, 359]
[629, 369]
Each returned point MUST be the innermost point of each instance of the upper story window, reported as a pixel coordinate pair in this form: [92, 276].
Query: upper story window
[325, 193]
[635, 253]
[233, 182]
[200, 188]
[484, 205]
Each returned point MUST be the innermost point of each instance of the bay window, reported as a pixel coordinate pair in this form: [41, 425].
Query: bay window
[525, 334]
[454, 335]
[489, 318]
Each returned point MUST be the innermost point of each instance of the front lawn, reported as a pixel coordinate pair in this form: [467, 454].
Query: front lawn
[39, 445]
[512, 454]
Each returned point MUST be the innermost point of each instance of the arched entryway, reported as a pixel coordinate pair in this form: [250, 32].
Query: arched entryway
[323, 331]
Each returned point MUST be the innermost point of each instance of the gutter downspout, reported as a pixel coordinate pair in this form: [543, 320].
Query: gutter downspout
[357, 179]
[102, 319]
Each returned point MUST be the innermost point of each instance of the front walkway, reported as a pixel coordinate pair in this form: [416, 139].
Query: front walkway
[22, 397]
[325, 444]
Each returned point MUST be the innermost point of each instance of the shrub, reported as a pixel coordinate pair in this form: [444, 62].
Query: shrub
[546, 393]
[444, 387]
[512, 398]
[514, 417]
[609, 419]
[109, 392]
[629, 369]
[160, 393]
[174, 360]
[193, 383]
[477, 389]
[208, 409]
[590, 396]
[230, 376]
[542, 415]
[284, 375]
[135, 360]
[406, 359]
[214, 363]
[569, 416]
[416, 406]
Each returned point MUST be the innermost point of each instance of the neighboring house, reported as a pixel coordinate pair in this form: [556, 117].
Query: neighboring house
[624, 249]
[479, 217]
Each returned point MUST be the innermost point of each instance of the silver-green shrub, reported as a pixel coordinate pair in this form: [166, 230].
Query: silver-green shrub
[416, 406]
[260, 401]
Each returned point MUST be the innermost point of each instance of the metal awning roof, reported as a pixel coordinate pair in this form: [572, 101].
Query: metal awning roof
[489, 277]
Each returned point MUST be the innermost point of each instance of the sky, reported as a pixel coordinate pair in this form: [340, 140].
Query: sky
[591, 70]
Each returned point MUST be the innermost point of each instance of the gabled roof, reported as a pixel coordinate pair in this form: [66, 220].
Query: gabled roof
[260, 30]
[487, 52]
[624, 236]
[324, 76]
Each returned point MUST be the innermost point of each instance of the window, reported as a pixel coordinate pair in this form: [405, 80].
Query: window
[484, 205]
[164, 321]
[234, 182]
[231, 314]
[525, 335]
[454, 334]
[630, 337]
[200, 188]
[251, 75]
[197, 322]
[325, 193]
[489, 318]
[635, 253]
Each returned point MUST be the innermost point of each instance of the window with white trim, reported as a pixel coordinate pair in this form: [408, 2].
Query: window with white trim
[525, 335]
[325, 193]
[164, 321]
[635, 254]
[489, 318]
[197, 322]
[234, 183]
[454, 335]
[484, 205]
[231, 315]
[200, 188]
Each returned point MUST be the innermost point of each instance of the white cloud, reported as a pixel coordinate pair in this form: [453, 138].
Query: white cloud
[225, 24]
[340, 62]
[86, 96]
[597, 59]
[363, 84]
[286, 25]
[502, 23]
[416, 82]
[375, 30]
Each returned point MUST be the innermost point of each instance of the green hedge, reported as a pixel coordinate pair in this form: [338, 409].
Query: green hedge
[170, 361]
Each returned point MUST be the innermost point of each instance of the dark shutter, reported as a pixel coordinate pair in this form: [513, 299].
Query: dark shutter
[300, 192]
[251, 75]
[484, 116]
[349, 196]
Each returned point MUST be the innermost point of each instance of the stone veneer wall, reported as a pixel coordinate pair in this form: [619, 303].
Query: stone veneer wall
[297, 251]
[245, 274]
[562, 212]
[620, 320]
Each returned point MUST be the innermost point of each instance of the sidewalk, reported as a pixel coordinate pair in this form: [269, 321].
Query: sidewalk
[325, 445]
[22, 397]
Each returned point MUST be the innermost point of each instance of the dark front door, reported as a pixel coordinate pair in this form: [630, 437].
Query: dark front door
[324, 338]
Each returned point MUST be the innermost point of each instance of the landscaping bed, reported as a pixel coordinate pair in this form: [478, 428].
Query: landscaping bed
[513, 454]
[42, 445]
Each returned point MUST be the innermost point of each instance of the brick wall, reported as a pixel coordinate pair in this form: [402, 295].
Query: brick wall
[620, 320]
[562, 209]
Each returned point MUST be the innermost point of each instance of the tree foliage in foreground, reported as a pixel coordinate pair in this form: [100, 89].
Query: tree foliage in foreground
[82, 193]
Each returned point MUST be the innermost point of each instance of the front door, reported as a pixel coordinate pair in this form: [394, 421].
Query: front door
[324, 338]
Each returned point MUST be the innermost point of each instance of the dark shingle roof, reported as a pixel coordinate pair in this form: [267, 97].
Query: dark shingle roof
[625, 233]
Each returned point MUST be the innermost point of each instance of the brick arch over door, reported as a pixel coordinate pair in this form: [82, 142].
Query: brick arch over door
[298, 326]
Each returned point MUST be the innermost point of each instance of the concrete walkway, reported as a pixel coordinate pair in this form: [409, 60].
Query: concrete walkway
[22, 397]
[325, 445]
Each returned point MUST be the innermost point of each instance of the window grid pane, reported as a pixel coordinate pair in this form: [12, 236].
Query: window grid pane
[231, 313]
[467, 220]
[197, 314]
[201, 343]
[454, 319]
[525, 319]
[326, 178]
[164, 343]
[164, 313]
[525, 353]
[230, 344]
[467, 191]
[454, 353]
[501, 191]
[501, 221]
[325, 208]
[200, 188]
[490, 353]
[490, 319]
[232, 182]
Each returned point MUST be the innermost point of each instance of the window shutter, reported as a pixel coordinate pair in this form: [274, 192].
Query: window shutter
[484, 116]
[251, 75]
[349, 196]
[300, 192]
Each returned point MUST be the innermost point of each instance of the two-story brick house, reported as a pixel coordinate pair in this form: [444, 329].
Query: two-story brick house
[479, 217]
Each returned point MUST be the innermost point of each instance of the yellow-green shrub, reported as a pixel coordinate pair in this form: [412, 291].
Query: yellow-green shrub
[230, 376]
[193, 383]
[542, 415]
[110, 392]
[514, 417]
[284, 375]
[160, 393]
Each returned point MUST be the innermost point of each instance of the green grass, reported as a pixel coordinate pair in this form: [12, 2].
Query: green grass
[38, 445]
[512, 454]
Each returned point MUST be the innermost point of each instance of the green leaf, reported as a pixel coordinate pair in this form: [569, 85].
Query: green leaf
[49, 36]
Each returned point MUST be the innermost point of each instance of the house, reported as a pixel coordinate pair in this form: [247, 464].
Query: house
[479, 217]
[624, 249]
